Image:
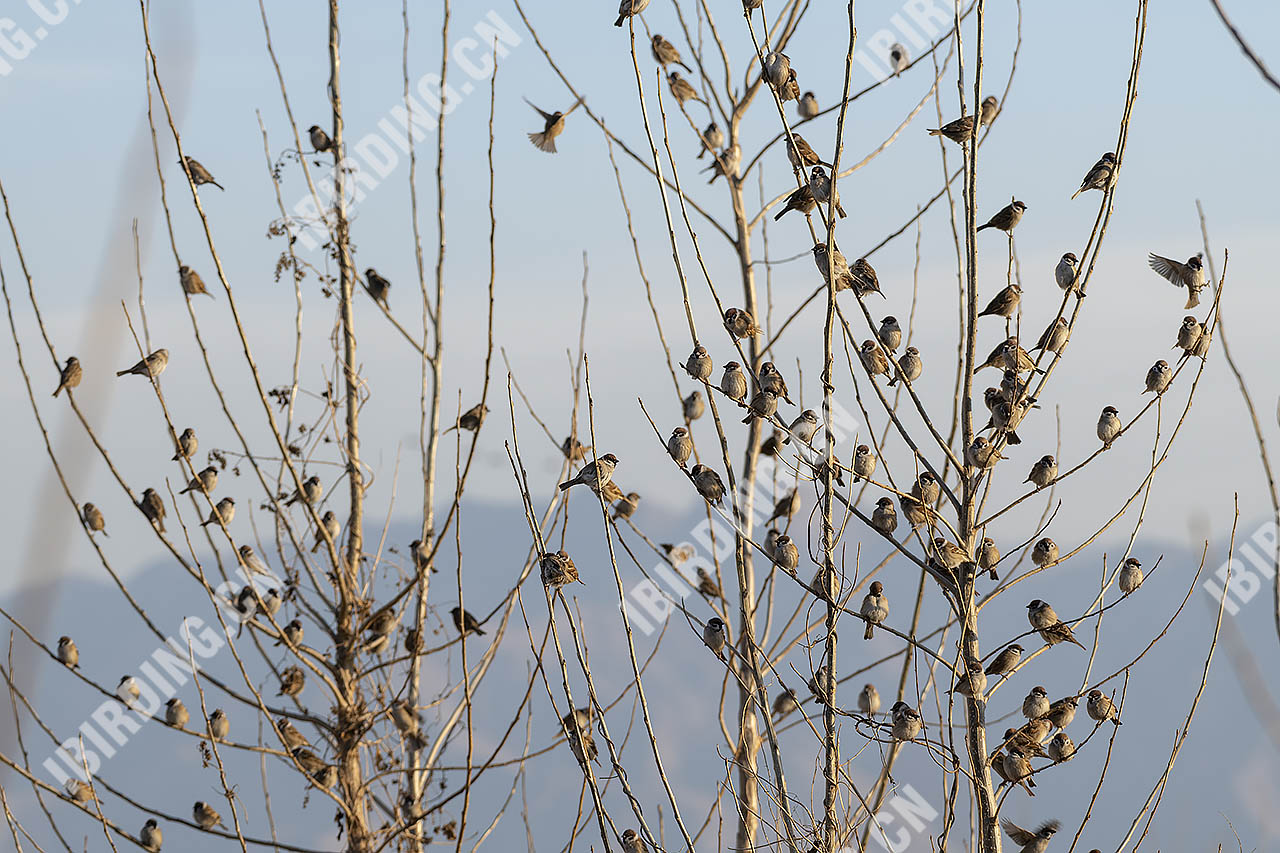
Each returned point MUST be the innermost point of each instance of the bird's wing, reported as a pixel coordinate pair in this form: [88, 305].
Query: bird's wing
[546, 116]
[1017, 833]
[1167, 268]
[576, 104]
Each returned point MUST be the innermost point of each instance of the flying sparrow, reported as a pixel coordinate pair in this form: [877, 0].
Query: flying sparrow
[1101, 176]
[1032, 842]
[680, 446]
[545, 140]
[199, 174]
[70, 377]
[875, 609]
[665, 53]
[152, 366]
[1189, 275]
[602, 467]
[1109, 426]
[1130, 575]
[379, 288]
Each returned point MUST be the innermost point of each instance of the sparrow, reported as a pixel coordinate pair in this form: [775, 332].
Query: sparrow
[734, 382]
[632, 843]
[694, 407]
[665, 53]
[1032, 842]
[1011, 387]
[127, 690]
[470, 420]
[379, 288]
[408, 723]
[786, 506]
[70, 377]
[1005, 416]
[199, 174]
[1038, 729]
[223, 512]
[1023, 743]
[383, 622]
[176, 714]
[1036, 703]
[1109, 426]
[988, 558]
[1159, 377]
[926, 489]
[1130, 575]
[574, 450]
[875, 609]
[602, 467]
[800, 199]
[1008, 217]
[1189, 275]
[726, 163]
[1010, 356]
[917, 513]
[906, 721]
[1054, 338]
[827, 585]
[682, 89]
[152, 366]
[1014, 769]
[545, 140]
[785, 703]
[715, 636]
[1051, 629]
[291, 634]
[629, 8]
[246, 602]
[465, 622]
[680, 446]
[707, 586]
[205, 481]
[272, 603]
[818, 686]
[981, 453]
[1101, 708]
[291, 682]
[1005, 303]
[771, 380]
[991, 397]
[1045, 553]
[708, 483]
[1188, 335]
[864, 278]
[962, 128]
[192, 284]
[93, 519]
[1201, 349]
[785, 555]
[1062, 712]
[873, 359]
[808, 106]
[970, 684]
[205, 816]
[764, 405]
[626, 507]
[79, 791]
[884, 517]
[320, 140]
[790, 91]
[898, 59]
[804, 427]
[289, 735]
[252, 561]
[864, 463]
[840, 277]
[151, 836]
[777, 68]
[187, 444]
[1061, 748]
[770, 446]
[1043, 472]
[698, 365]
[712, 138]
[1065, 273]
[1101, 176]
[583, 745]
[869, 700]
[1005, 661]
[68, 654]
[328, 525]
[800, 154]
[152, 506]
[740, 324]
[578, 719]
[945, 555]
[890, 333]
[821, 188]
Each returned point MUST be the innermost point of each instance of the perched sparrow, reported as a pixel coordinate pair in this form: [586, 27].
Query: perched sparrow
[1045, 553]
[740, 324]
[199, 174]
[1043, 472]
[898, 59]
[971, 684]
[818, 686]
[839, 274]
[962, 128]
[1010, 356]
[320, 140]
[603, 467]
[628, 9]
[583, 745]
[763, 405]
[1011, 388]
[252, 561]
[726, 163]
[632, 843]
[822, 188]
[864, 463]
[800, 154]
[1036, 704]
[1004, 304]
[1039, 728]
[801, 199]
[991, 397]
[272, 602]
[1023, 742]
[785, 554]
[223, 512]
[328, 525]
[151, 366]
[864, 278]
[694, 407]
[187, 444]
[707, 585]
[1101, 176]
[885, 518]
[1188, 335]
[379, 288]
[1066, 271]
[192, 284]
[680, 446]
[708, 483]
[291, 681]
[291, 633]
[988, 558]
[828, 585]
[246, 602]
[771, 445]
[790, 91]
[916, 513]
[698, 365]
[1062, 712]
[771, 380]
[804, 427]
[70, 377]
[1054, 338]
[1101, 708]
[1201, 349]
[926, 489]
[785, 703]
[981, 453]
[408, 723]
[869, 700]
[682, 89]
[1051, 629]
[176, 714]
[946, 555]
[1130, 575]
[1189, 275]
[1061, 748]
[712, 138]
[205, 816]
[151, 836]
[1008, 217]
[1109, 426]
[205, 481]
[875, 609]
[152, 506]
[289, 735]
[558, 570]
[1032, 842]
[79, 791]
[906, 722]
[777, 68]
[127, 690]
[68, 654]
[734, 382]
[545, 140]
[890, 333]
[1159, 377]
[873, 359]
[808, 106]
[1014, 769]
[665, 53]
[716, 636]
[1006, 660]
[470, 420]
[626, 507]
[93, 519]
[786, 506]
[1005, 416]
[465, 622]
